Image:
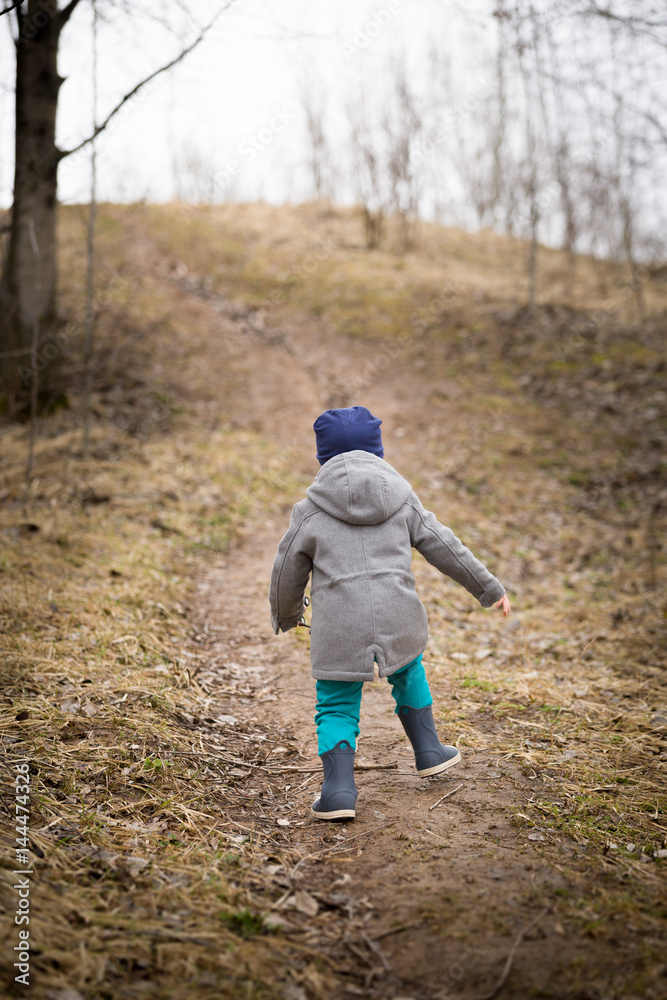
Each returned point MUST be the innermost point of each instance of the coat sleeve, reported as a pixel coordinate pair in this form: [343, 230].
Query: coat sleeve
[291, 569]
[440, 546]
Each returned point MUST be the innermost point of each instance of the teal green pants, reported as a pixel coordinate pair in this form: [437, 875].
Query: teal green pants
[339, 703]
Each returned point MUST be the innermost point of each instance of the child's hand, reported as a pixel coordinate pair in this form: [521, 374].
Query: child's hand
[504, 604]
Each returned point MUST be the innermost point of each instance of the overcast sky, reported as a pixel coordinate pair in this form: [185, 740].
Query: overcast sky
[240, 90]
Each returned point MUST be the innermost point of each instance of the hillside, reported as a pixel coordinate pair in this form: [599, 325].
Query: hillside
[170, 732]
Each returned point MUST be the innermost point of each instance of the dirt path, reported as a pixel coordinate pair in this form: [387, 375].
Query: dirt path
[452, 876]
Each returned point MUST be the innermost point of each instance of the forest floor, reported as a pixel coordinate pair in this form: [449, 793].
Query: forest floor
[170, 733]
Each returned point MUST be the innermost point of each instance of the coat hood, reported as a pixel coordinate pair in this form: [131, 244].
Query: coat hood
[359, 488]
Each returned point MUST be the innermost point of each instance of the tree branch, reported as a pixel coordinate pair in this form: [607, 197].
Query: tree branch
[6, 10]
[657, 125]
[638, 24]
[631, 20]
[65, 14]
[163, 69]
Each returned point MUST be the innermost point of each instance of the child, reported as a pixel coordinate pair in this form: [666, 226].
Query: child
[355, 532]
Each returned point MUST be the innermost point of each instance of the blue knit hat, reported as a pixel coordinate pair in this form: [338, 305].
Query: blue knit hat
[349, 429]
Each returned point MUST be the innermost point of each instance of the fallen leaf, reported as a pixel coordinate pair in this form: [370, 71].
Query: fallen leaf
[109, 858]
[236, 838]
[135, 863]
[275, 922]
[304, 903]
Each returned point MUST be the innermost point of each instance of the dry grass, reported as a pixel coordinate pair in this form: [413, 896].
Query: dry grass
[148, 868]
[142, 856]
[586, 730]
[313, 256]
[136, 773]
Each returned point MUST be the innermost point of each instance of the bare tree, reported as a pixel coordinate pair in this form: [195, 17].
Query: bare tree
[320, 155]
[499, 153]
[369, 176]
[562, 155]
[564, 145]
[28, 283]
[530, 166]
[385, 134]
[403, 126]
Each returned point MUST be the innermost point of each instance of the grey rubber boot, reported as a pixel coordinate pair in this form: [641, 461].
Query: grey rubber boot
[339, 792]
[431, 756]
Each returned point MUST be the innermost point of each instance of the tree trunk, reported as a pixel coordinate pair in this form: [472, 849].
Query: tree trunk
[532, 254]
[373, 227]
[27, 291]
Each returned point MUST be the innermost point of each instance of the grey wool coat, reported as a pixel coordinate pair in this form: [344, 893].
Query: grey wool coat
[354, 532]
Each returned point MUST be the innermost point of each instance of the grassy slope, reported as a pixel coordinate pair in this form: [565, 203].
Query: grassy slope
[129, 811]
[566, 416]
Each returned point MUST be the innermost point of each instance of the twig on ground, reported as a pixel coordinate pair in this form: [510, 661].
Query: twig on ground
[510, 958]
[397, 930]
[375, 948]
[327, 850]
[306, 782]
[442, 799]
[376, 767]
[357, 767]
[442, 840]
[357, 952]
